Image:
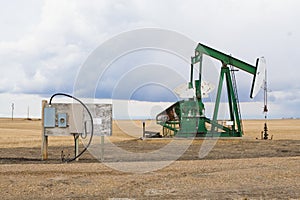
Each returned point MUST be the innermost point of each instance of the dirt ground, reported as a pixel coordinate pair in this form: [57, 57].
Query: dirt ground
[246, 168]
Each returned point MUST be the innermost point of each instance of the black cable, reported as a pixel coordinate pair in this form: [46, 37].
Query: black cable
[92, 124]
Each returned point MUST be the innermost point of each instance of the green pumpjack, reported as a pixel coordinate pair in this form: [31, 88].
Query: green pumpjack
[186, 118]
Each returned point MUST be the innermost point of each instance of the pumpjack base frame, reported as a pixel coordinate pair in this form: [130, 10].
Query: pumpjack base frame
[193, 124]
[171, 129]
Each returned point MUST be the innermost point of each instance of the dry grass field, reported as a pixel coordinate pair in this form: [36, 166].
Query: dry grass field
[246, 168]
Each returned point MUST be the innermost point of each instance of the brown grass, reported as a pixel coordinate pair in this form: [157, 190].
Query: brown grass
[27, 133]
[235, 169]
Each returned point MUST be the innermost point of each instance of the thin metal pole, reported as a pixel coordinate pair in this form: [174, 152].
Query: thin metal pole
[265, 106]
[143, 129]
[27, 112]
[76, 141]
[102, 148]
[12, 111]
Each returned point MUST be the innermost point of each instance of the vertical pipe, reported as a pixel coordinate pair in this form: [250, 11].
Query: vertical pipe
[12, 111]
[191, 78]
[265, 106]
[76, 140]
[102, 148]
[200, 71]
[27, 112]
[198, 86]
[144, 129]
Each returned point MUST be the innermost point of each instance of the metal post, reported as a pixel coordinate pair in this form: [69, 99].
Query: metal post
[12, 111]
[200, 79]
[217, 104]
[265, 107]
[192, 76]
[27, 112]
[76, 141]
[144, 130]
[102, 148]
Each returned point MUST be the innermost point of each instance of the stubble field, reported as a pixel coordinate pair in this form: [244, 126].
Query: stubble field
[246, 168]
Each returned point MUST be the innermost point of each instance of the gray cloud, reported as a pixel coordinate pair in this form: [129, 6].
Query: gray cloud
[43, 47]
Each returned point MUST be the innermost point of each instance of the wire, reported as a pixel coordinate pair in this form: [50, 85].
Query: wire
[92, 124]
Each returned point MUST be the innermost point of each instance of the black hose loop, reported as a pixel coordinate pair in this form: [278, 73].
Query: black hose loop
[92, 123]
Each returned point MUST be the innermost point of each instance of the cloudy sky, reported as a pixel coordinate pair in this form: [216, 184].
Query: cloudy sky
[43, 45]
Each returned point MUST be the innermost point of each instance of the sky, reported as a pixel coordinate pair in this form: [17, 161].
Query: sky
[44, 44]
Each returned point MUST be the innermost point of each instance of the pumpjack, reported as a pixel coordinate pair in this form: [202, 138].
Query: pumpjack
[186, 118]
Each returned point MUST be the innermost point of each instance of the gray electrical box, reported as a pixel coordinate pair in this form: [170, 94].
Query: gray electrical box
[76, 119]
[66, 119]
[62, 120]
[49, 117]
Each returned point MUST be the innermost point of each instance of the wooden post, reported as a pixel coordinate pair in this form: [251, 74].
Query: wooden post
[44, 148]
